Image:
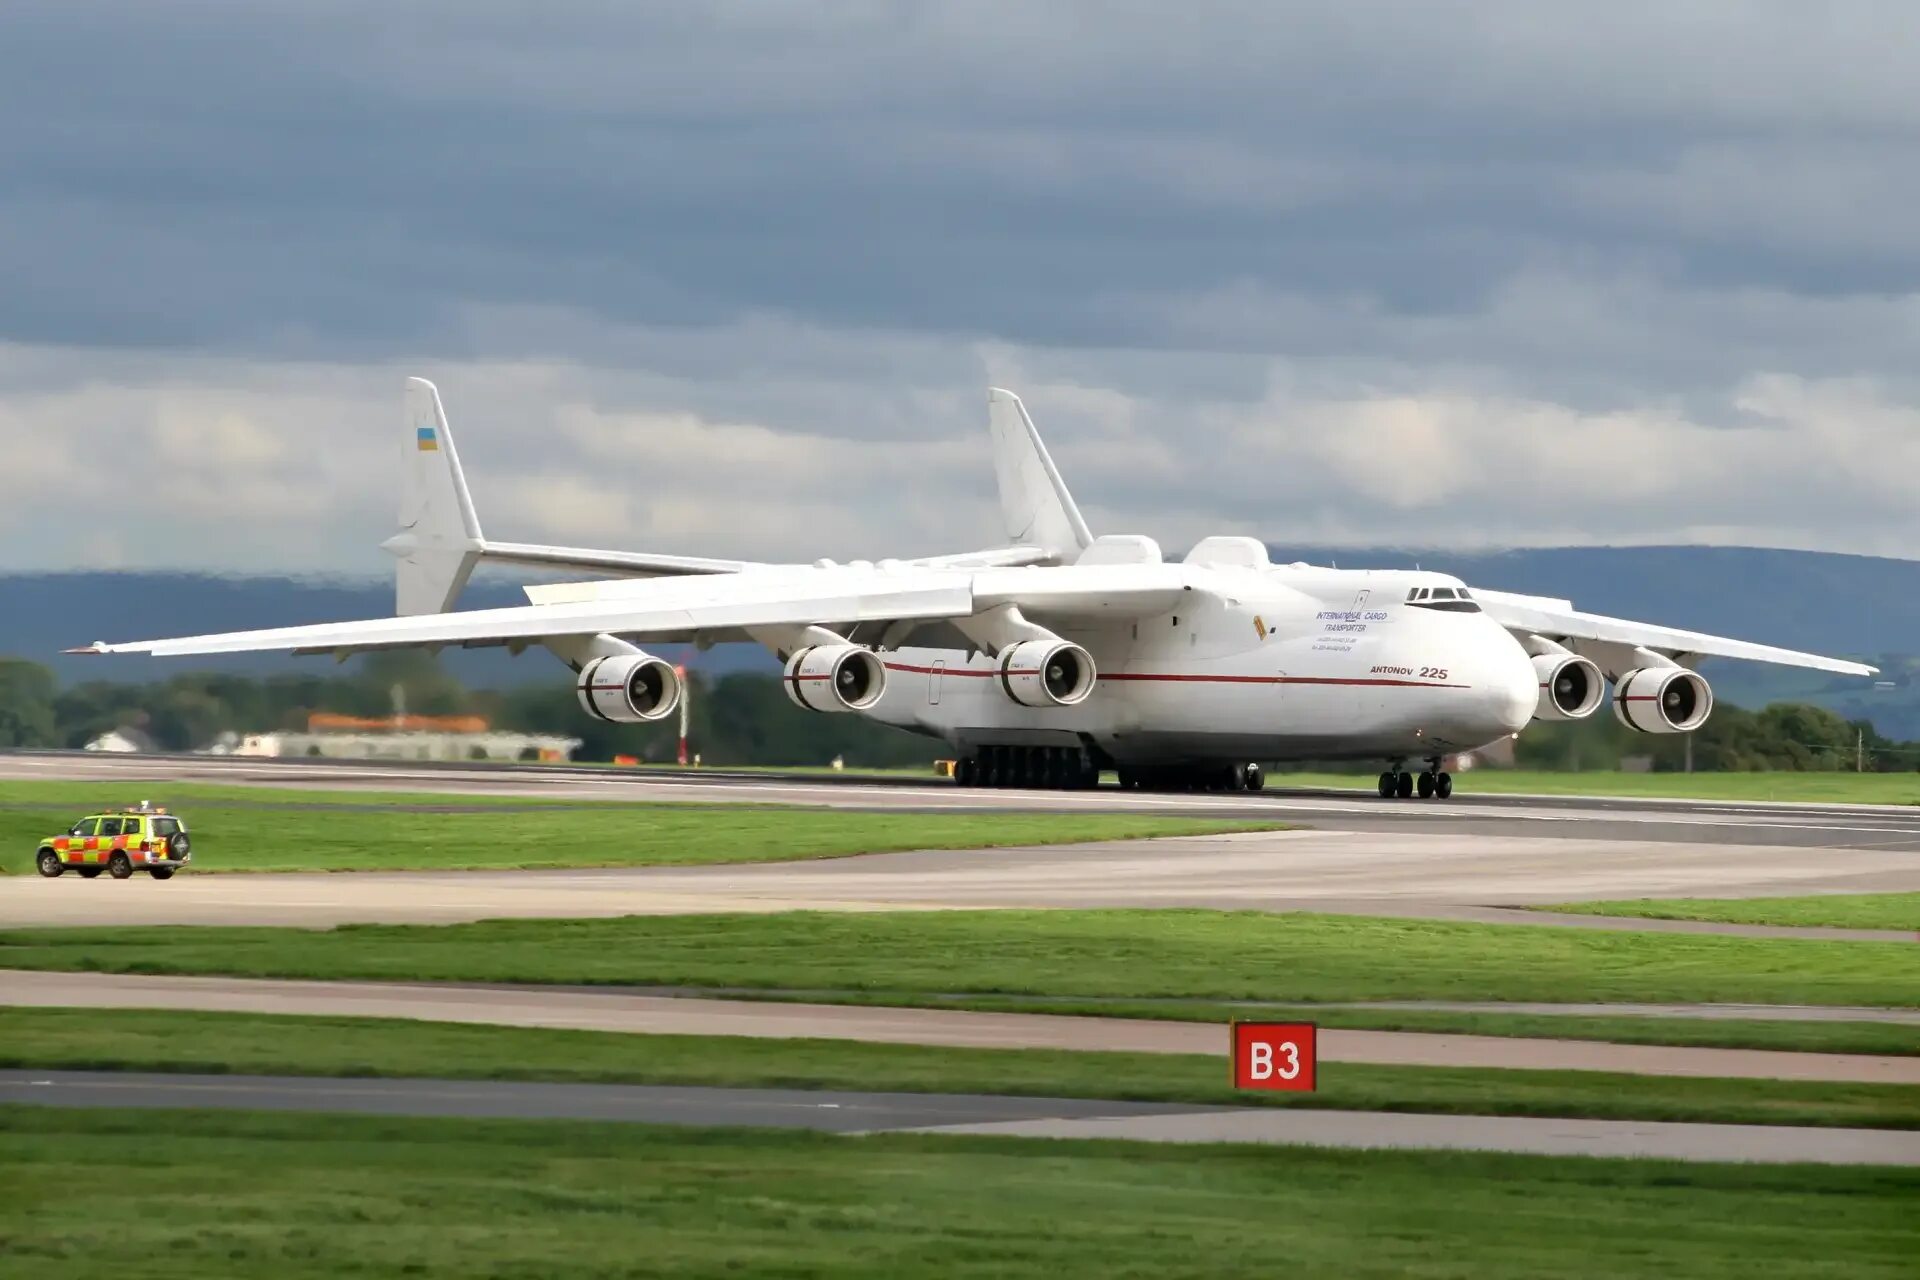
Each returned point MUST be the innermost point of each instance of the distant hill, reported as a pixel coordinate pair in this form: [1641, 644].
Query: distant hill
[1854, 606]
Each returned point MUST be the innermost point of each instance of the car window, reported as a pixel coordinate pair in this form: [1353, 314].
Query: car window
[109, 827]
[85, 827]
[164, 827]
[129, 826]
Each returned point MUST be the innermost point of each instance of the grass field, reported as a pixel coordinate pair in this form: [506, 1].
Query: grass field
[220, 1043]
[1130, 954]
[326, 1196]
[241, 829]
[1839, 910]
[1828, 788]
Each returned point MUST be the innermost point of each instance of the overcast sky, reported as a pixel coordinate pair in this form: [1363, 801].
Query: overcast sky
[733, 280]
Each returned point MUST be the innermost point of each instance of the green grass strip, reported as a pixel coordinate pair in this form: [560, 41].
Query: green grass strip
[1195, 955]
[337, 831]
[323, 1196]
[1836, 911]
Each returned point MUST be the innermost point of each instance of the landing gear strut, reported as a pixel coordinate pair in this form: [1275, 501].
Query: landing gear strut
[1431, 784]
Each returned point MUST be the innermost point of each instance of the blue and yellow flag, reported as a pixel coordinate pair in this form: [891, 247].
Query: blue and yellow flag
[429, 443]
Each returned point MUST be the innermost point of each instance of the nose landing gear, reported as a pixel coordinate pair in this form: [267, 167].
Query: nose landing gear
[1397, 784]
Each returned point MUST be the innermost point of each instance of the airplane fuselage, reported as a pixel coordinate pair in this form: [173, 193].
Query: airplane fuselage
[1280, 663]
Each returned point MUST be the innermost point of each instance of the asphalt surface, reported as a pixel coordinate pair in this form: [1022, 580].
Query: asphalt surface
[1886, 827]
[615, 1010]
[1443, 876]
[865, 1113]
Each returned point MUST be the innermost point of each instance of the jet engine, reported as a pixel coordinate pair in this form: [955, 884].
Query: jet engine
[1661, 699]
[835, 677]
[1046, 673]
[629, 688]
[1571, 687]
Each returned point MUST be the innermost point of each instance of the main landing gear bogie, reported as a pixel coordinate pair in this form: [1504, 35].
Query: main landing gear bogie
[1431, 784]
[1073, 769]
[1042, 768]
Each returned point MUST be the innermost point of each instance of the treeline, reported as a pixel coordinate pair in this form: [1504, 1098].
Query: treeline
[746, 719]
[735, 719]
[1785, 735]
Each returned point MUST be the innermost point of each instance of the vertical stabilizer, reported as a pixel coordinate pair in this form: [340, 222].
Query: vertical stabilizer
[1034, 501]
[439, 540]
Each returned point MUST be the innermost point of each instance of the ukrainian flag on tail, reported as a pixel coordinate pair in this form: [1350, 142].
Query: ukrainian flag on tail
[428, 442]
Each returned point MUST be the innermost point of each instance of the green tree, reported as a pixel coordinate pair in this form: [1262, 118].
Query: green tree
[26, 704]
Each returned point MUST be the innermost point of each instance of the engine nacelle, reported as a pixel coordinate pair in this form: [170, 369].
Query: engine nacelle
[835, 677]
[1662, 699]
[629, 688]
[1046, 673]
[1571, 687]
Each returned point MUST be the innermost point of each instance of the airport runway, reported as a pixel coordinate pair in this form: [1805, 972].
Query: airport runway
[1442, 876]
[960, 1114]
[1886, 827]
[583, 1009]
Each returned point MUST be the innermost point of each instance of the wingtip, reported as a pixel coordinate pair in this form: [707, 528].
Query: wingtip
[97, 647]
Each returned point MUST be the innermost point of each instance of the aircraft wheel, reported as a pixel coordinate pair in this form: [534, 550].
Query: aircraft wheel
[120, 866]
[1389, 784]
[1403, 786]
[1255, 777]
[1443, 786]
[966, 772]
[49, 864]
[1427, 785]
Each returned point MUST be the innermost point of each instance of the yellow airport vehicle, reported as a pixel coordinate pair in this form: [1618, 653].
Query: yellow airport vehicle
[138, 838]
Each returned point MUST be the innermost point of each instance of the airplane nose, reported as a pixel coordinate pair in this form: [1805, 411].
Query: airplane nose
[1516, 695]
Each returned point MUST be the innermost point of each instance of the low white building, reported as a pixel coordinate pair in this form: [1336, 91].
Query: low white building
[411, 745]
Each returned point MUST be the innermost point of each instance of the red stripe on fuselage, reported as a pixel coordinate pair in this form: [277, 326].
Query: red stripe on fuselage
[1372, 681]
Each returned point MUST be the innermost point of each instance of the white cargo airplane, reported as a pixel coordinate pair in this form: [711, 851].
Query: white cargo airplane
[1057, 655]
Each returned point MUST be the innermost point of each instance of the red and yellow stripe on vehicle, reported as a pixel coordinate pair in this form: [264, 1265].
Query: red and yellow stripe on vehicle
[100, 849]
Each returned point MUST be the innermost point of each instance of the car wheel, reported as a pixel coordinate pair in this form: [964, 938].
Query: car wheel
[160, 873]
[119, 866]
[178, 846]
[88, 873]
[49, 863]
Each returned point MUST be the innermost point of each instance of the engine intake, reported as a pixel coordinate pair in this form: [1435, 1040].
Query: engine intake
[1046, 673]
[629, 688]
[1571, 687]
[1662, 700]
[835, 677]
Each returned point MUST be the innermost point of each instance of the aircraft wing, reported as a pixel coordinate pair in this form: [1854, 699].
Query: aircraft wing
[1559, 620]
[718, 606]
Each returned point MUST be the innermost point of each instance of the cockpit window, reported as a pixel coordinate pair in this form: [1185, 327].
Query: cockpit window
[1442, 599]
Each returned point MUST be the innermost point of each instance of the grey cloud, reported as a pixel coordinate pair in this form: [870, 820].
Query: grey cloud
[1221, 250]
